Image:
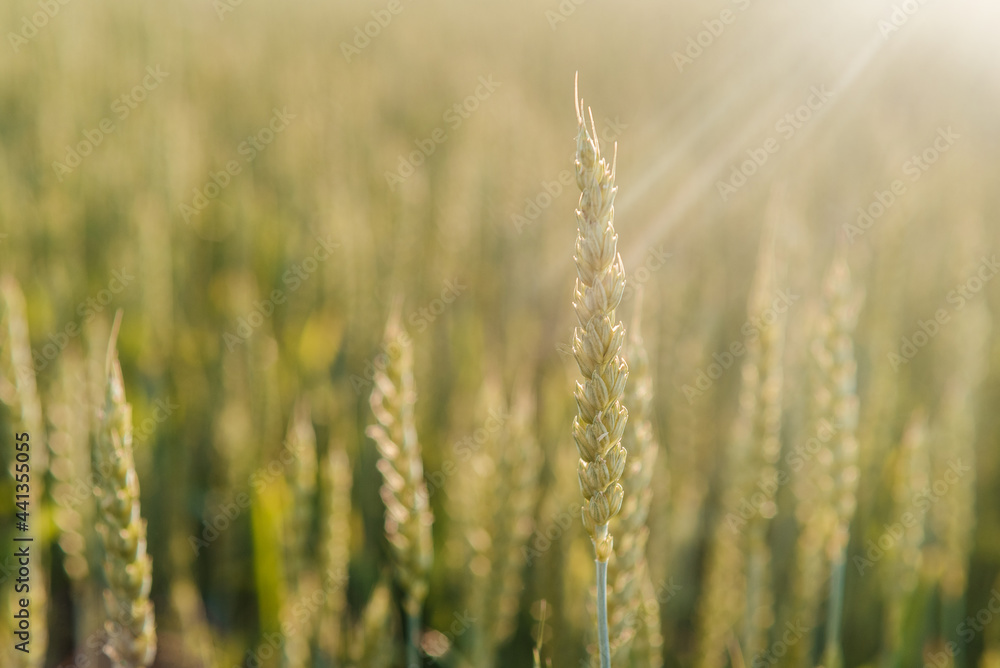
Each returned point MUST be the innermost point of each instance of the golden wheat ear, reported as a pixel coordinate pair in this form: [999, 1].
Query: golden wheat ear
[408, 517]
[131, 627]
[597, 342]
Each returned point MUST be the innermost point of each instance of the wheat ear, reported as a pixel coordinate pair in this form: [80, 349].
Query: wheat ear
[128, 568]
[839, 396]
[597, 341]
[372, 644]
[738, 582]
[758, 440]
[408, 516]
[510, 495]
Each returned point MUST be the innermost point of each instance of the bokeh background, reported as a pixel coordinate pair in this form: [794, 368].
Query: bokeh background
[117, 117]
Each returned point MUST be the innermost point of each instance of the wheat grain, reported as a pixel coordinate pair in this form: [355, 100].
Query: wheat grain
[128, 568]
[510, 495]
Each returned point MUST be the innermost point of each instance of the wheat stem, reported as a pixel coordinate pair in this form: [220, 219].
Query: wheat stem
[413, 639]
[602, 613]
[832, 656]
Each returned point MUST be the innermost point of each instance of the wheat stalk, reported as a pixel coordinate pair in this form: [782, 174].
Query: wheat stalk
[597, 341]
[911, 475]
[128, 568]
[408, 517]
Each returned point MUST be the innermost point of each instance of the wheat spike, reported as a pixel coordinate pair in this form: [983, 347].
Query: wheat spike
[372, 643]
[511, 494]
[597, 341]
[739, 583]
[838, 401]
[408, 517]
[128, 568]
[762, 389]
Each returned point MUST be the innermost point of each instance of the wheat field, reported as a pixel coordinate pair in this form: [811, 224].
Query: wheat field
[342, 334]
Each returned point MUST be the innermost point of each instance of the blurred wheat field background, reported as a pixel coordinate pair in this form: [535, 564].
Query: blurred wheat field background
[345, 265]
